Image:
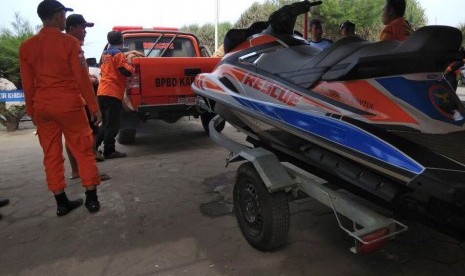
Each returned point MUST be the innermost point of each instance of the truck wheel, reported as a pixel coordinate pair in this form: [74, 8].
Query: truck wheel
[127, 136]
[262, 216]
[205, 119]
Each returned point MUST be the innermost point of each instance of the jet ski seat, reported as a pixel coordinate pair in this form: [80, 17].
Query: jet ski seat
[429, 49]
[356, 58]
[311, 71]
[304, 65]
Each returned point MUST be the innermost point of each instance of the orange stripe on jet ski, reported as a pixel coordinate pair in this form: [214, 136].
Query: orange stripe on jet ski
[255, 41]
[213, 86]
[362, 95]
[204, 83]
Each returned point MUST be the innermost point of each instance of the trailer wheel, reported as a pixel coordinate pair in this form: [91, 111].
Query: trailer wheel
[127, 136]
[205, 119]
[262, 216]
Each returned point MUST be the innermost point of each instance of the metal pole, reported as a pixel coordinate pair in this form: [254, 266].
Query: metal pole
[216, 23]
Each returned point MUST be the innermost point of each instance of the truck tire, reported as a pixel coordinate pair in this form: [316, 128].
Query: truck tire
[262, 216]
[205, 119]
[127, 136]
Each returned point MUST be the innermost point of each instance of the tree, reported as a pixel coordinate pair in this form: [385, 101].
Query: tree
[10, 41]
[257, 12]
[366, 14]
[206, 33]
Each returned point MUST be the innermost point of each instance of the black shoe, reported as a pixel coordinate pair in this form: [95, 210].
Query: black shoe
[65, 209]
[92, 203]
[64, 205]
[115, 154]
[4, 201]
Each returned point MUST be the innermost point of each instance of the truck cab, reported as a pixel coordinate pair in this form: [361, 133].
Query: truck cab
[160, 88]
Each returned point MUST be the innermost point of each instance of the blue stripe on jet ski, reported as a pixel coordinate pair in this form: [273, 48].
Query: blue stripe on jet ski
[416, 93]
[337, 132]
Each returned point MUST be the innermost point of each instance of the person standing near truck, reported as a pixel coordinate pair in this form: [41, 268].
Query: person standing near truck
[114, 71]
[56, 87]
[76, 26]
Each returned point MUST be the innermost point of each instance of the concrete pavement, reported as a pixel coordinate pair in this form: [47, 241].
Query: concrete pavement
[167, 211]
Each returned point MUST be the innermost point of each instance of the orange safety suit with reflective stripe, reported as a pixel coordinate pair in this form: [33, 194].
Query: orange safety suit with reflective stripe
[399, 29]
[56, 87]
[113, 80]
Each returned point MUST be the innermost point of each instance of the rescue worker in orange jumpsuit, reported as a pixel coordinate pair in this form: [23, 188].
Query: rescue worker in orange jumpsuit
[397, 28]
[114, 71]
[56, 86]
[76, 26]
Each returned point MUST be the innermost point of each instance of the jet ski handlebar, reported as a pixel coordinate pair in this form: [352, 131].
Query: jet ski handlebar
[283, 20]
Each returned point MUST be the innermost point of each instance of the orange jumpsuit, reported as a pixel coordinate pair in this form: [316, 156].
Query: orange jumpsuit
[112, 81]
[399, 29]
[56, 87]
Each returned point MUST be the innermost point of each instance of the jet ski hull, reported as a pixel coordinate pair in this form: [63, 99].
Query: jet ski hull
[387, 135]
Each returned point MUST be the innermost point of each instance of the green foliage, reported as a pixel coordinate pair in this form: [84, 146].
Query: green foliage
[366, 14]
[206, 33]
[257, 12]
[10, 40]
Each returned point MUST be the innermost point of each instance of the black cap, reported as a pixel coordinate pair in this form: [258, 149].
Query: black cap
[346, 24]
[77, 19]
[115, 38]
[47, 8]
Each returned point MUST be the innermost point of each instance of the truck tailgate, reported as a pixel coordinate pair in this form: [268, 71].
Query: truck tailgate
[168, 80]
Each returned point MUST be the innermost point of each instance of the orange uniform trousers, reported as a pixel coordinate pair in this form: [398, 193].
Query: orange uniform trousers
[52, 123]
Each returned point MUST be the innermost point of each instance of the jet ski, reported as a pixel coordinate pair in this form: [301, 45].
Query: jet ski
[376, 118]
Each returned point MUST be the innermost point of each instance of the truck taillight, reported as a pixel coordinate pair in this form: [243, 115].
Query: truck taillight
[133, 82]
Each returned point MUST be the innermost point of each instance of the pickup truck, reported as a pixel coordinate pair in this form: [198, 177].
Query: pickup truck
[161, 85]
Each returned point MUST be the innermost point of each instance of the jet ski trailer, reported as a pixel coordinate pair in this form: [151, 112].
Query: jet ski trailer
[261, 191]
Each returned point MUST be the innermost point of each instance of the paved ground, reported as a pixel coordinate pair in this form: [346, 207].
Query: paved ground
[161, 216]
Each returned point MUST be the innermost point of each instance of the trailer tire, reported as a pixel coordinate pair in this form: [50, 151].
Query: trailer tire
[206, 118]
[127, 136]
[262, 216]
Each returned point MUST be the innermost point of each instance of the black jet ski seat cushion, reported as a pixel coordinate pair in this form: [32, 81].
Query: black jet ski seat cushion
[429, 49]
[308, 70]
[432, 38]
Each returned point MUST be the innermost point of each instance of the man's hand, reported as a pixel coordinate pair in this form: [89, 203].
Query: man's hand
[96, 118]
[132, 54]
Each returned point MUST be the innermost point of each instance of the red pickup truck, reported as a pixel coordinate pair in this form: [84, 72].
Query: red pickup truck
[161, 85]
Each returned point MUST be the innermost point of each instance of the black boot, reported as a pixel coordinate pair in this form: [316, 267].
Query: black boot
[64, 205]
[92, 203]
